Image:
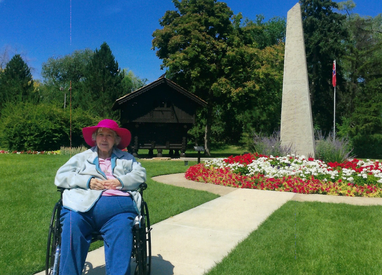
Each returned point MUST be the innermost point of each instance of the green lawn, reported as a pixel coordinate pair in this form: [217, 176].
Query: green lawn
[311, 238]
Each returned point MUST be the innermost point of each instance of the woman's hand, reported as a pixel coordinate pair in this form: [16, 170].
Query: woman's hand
[97, 184]
[111, 184]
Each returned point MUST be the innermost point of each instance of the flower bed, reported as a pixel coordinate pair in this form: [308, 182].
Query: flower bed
[30, 152]
[292, 174]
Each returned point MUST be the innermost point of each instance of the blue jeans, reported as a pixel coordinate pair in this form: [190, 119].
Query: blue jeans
[113, 217]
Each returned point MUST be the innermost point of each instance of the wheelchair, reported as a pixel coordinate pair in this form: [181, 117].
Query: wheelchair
[141, 252]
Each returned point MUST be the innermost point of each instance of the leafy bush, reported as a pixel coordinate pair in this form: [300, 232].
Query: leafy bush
[368, 146]
[332, 150]
[364, 132]
[41, 127]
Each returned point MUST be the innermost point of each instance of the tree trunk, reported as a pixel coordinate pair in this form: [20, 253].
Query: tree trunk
[207, 132]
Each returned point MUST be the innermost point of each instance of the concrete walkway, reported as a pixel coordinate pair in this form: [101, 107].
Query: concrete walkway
[193, 242]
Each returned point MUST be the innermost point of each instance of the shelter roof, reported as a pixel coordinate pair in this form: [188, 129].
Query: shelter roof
[160, 81]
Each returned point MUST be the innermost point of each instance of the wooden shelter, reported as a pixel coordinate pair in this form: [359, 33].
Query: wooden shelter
[159, 116]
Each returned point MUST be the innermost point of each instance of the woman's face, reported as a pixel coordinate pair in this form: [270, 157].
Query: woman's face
[105, 141]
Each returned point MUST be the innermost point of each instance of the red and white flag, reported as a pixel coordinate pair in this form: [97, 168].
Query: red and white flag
[334, 74]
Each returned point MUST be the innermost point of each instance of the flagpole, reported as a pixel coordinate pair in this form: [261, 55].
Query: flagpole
[334, 82]
[70, 118]
[334, 120]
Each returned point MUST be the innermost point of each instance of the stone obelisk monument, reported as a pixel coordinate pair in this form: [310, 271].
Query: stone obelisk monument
[296, 110]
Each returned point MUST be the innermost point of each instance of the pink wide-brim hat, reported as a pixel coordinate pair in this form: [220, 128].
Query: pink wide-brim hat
[123, 133]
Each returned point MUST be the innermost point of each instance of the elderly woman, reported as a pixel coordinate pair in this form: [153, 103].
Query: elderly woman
[100, 195]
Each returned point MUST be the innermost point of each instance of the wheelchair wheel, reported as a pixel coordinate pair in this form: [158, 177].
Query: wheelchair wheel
[54, 242]
[142, 243]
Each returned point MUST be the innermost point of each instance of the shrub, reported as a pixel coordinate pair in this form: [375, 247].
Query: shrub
[325, 149]
[42, 127]
[270, 145]
[368, 146]
[364, 132]
[332, 150]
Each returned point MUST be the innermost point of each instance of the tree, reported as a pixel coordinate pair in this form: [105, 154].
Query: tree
[252, 84]
[363, 107]
[192, 46]
[207, 50]
[131, 82]
[60, 72]
[4, 57]
[102, 84]
[363, 58]
[267, 33]
[256, 73]
[325, 33]
[16, 83]
[258, 106]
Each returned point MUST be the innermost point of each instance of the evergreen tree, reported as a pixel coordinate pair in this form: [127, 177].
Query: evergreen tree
[363, 100]
[16, 82]
[325, 35]
[363, 58]
[102, 84]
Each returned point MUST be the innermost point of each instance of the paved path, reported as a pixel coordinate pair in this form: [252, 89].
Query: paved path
[194, 241]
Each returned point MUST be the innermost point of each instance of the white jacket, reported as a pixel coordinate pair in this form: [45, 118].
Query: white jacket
[76, 173]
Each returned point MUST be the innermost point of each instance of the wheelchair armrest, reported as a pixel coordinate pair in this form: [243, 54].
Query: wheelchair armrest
[143, 186]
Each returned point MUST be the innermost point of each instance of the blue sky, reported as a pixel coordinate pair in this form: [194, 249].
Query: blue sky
[39, 29]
